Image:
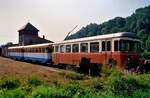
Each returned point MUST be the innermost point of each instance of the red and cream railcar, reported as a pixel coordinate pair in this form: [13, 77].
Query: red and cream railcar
[100, 49]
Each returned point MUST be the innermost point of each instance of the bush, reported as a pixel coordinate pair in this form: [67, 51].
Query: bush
[107, 70]
[17, 93]
[72, 87]
[146, 55]
[85, 93]
[10, 84]
[73, 75]
[97, 85]
[118, 85]
[141, 94]
[49, 92]
[126, 87]
[35, 81]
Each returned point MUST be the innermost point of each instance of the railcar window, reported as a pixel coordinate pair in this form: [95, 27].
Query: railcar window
[56, 48]
[49, 49]
[43, 50]
[116, 45]
[62, 49]
[75, 47]
[94, 47]
[108, 46]
[40, 50]
[122, 45]
[84, 47]
[68, 48]
[103, 46]
[29, 50]
[37, 50]
[126, 45]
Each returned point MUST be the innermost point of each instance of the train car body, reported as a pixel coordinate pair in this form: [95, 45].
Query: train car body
[40, 53]
[34, 53]
[103, 49]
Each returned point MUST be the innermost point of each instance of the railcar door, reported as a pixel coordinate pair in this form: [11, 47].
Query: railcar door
[49, 52]
[107, 50]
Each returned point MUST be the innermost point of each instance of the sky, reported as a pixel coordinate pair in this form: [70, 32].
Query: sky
[55, 18]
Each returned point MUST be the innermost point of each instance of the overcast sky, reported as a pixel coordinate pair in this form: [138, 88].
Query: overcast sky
[55, 18]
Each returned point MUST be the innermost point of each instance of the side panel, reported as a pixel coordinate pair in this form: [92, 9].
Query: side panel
[17, 55]
[100, 58]
[42, 57]
[75, 58]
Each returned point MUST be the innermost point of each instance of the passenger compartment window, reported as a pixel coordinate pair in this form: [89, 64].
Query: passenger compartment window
[108, 46]
[84, 47]
[94, 47]
[116, 45]
[103, 46]
[56, 48]
[75, 48]
[62, 49]
[68, 48]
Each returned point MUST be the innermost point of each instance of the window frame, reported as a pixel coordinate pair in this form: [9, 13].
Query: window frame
[86, 47]
[92, 42]
[73, 47]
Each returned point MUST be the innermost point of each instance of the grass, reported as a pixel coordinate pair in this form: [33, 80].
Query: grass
[115, 85]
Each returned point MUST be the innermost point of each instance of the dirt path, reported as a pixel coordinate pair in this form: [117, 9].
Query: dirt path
[10, 68]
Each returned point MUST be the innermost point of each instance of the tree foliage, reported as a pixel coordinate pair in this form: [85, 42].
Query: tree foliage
[138, 22]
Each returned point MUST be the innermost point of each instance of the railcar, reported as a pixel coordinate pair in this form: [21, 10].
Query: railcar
[34, 53]
[115, 48]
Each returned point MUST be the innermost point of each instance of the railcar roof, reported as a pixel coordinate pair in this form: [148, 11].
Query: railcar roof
[105, 36]
[37, 45]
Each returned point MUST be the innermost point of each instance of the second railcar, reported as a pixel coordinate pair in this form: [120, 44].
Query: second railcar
[35, 53]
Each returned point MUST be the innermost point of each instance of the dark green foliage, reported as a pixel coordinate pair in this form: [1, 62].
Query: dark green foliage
[146, 55]
[72, 87]
[49, 92]
[9, 84]
[126, 87]
[73, 75]
[138, 22]
[35, 81]
[97, 85]
[17, 93]
[116, 85]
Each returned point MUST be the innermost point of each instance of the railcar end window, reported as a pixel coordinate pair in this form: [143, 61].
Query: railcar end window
[127, 45]
[75, 47]
[68, 48]
[94, 47]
